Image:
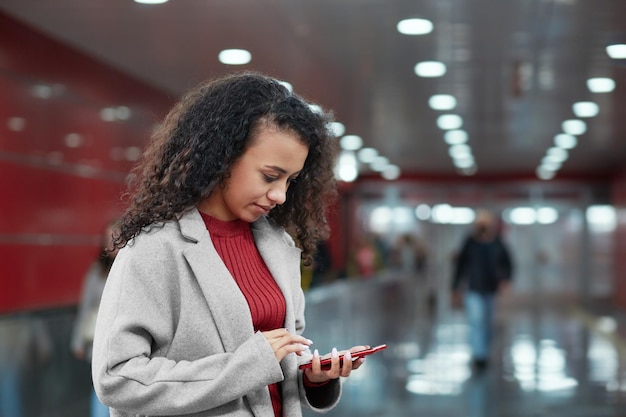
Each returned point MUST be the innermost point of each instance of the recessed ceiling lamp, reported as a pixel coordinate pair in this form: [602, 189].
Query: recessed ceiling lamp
[600, 85]
[316, 108]
[351, 142]
[414, 26]
[442, 102]
[565, 141]
[430, 69]
[379, 163]
[550, 164]
[391, 172]
[544, 173]
[585, 109]
[287, 85]
[338, 129]
[151, 1]
[455, 137]
[347, 168]
[464, 162]
[556, 154]
[449, 121]
[460, 152]
[574, 127]
[367, 155]
[235, 56]
[617, 51]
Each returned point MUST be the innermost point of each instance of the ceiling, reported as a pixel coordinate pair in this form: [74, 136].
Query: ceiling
[515, 67]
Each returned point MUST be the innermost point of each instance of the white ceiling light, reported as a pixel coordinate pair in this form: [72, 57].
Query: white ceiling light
[547, 215]
[347, 167]
[544, 174]
[379, 164]
[235, 56]
[585, 109]
[287, 85]
[442, 102]
[463, 163]
[422, 212]
[391, 172]
[351, 142]
[455, 137]
[574, 127]
[600, 85]
[316, 108]
[549, 165]
[460, 151]
[617, 51]
[556, 154]
[565, 141]
[338, 129]
[449, 121]
[151, 1]
[367, 155]
[414, 26]
[430, 69]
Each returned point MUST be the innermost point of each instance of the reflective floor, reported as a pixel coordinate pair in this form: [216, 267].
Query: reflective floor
[550, 357]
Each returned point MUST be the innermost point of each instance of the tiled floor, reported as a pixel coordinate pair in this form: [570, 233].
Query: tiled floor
[551, 357]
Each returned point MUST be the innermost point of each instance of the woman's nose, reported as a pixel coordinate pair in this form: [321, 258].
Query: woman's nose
[278, 193]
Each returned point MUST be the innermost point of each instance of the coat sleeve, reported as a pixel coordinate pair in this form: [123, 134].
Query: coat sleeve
[133, 369]
[505, 262]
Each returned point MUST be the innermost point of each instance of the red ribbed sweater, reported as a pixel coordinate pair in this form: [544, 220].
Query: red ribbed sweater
[234, 243]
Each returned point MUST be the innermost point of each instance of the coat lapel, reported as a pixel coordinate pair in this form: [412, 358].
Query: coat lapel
[224, 298]
[282, 260]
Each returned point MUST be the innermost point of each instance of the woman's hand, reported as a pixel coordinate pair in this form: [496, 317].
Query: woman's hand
[284, 343]
[317, 375]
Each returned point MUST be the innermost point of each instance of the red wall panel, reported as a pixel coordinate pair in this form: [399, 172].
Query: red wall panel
[62, 164]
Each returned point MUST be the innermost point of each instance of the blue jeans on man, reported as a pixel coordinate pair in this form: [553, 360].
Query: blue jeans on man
[479, 310]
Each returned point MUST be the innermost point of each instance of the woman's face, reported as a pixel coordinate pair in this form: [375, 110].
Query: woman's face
[259, 179]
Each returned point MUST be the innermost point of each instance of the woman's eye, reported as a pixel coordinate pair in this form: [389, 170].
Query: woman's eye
[269, 178]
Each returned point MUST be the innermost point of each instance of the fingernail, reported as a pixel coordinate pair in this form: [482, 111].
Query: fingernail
[316, 353]
[334, 353]
[310, 342]
[348, 356]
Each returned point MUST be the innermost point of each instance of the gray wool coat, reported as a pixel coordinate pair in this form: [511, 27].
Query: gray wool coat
[174, 333]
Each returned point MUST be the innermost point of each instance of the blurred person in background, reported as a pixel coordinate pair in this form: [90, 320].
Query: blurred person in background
[85, 323]
[483, 268]
[25, 351]
[409, 255]
[203, 311]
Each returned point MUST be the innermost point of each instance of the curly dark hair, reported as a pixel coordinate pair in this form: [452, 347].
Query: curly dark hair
[206, 132]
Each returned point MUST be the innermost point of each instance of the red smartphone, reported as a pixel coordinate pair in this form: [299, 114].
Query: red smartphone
[325, 362]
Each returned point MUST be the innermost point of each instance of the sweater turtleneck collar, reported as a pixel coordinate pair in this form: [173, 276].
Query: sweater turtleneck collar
[219, 227]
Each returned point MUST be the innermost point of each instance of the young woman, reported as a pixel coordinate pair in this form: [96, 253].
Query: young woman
[203, 311]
